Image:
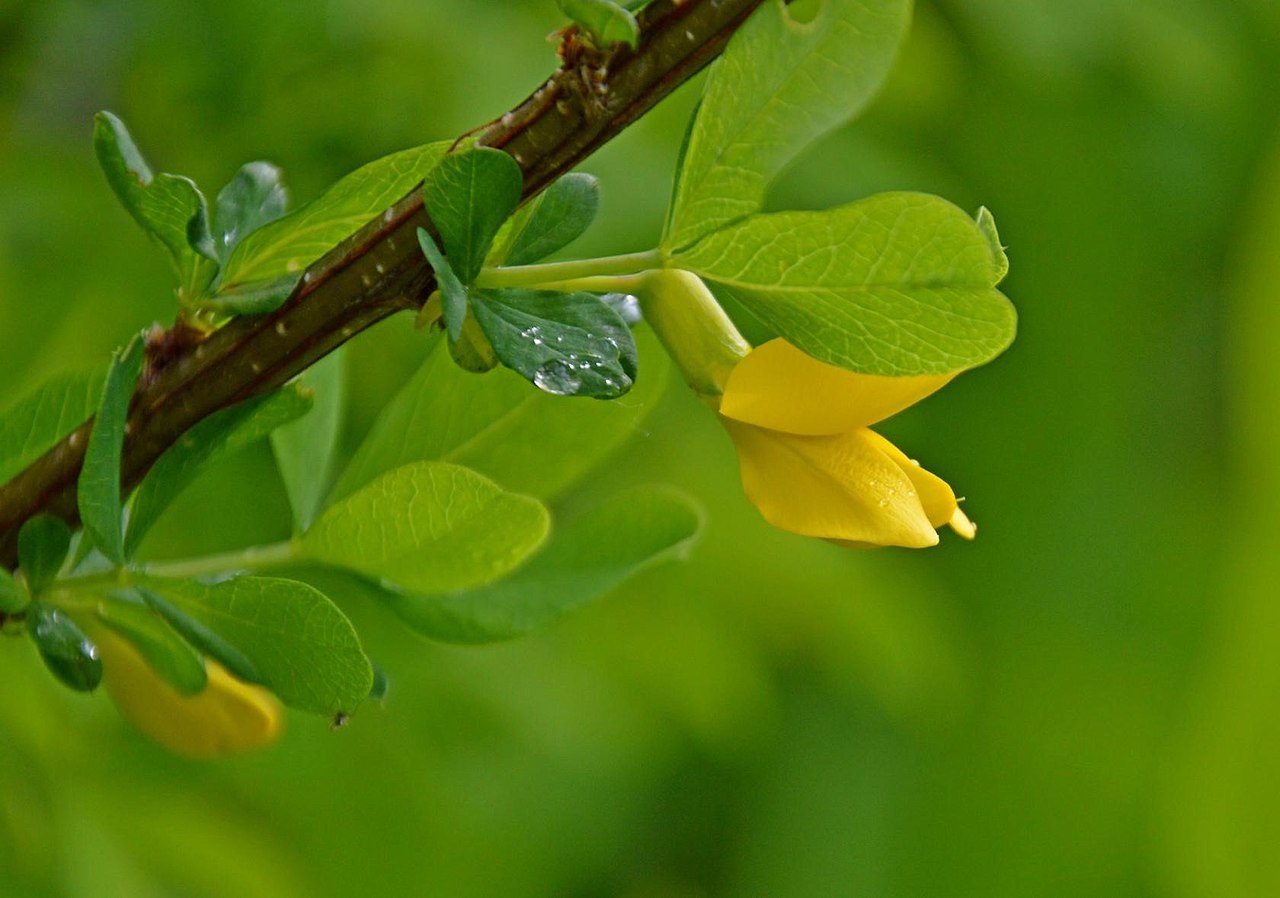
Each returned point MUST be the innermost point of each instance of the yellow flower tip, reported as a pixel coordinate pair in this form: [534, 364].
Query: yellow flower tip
[844, 487]
[961, 524]
[228, 717]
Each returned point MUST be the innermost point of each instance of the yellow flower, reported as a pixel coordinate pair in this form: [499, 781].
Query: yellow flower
[227, 717]
[809, 460]
[811, 464]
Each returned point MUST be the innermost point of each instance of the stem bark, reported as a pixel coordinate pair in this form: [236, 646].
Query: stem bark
[379, 270]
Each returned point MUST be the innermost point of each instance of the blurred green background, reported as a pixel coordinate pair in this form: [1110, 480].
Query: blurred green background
[1082, 702]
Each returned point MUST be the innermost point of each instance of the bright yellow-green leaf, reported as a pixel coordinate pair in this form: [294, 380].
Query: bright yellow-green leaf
[36, 422]
[170, 208]
[780, 84]
[898, 284]
[607, 21]
[300, 645]
[429, 527]
[588, 555]
[498, 425]
[221, 433]
[99, 487]
[165, 652]
[289, 244]
[304, 449]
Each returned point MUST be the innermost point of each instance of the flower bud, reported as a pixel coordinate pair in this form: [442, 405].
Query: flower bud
[227, 717]
[696, 332]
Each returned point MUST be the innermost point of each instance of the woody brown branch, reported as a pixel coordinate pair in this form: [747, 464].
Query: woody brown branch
[380, 271]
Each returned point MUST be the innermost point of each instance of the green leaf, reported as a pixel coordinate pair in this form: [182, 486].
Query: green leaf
[35, 423]
[43, 543]
[567, 344]
[167, 653]
[301, 646]
[454, 297]
[607, 21]
[428, 527]
[780, 85]
[305, 449]
[468, 196]
[99, 487]
[170, 208]
[897, 284]
[556, 217]
[289, 244]
[13, 597]
[381, 684]
[472, 351]
[987, 225]
[253, 298]
[587, 556]
[528, 441]
[67, 652]
[201, 636]
[253, 198]
[219, 434]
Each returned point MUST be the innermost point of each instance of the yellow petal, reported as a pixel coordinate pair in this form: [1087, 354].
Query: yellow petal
[961, 524]
[935, 495]
[843, 487]
[779, 387]
[228, 717]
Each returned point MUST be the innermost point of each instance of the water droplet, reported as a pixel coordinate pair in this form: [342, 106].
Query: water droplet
[558, 378]
[603, 347]
[618, 385]
[626, 305]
